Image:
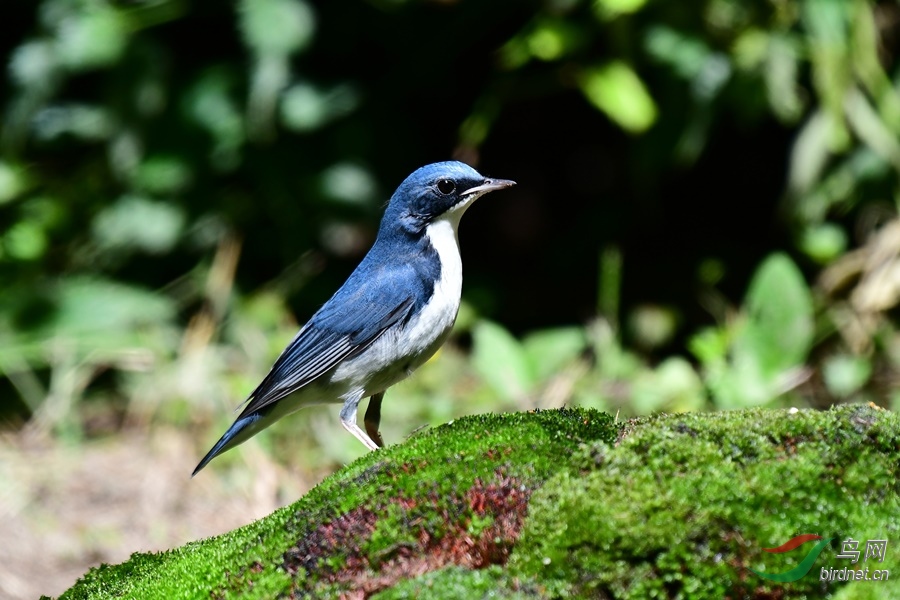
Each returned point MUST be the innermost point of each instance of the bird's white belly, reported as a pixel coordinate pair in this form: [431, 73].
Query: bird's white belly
[403, 349]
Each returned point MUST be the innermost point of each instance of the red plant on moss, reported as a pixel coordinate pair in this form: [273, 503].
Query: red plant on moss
[441, 525]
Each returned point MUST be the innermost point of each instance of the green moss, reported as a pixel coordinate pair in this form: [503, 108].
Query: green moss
[685, 503]
[404, 507]
[564, 503]
[454, 583]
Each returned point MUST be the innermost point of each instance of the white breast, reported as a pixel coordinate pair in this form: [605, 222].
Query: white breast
[397, 353]
[439, 313]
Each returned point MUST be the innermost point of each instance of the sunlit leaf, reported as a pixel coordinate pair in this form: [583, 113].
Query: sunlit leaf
[139, 223]
[779, 330]
[25, 240]
[828, 24]
[685, 53]
[95, 305]
[867, 124]
[824, 243]
[80, 120]
[93, 38]
[709, 345]
[741, 385]
[867, 51]
[750, 48]
[34, 63]
[305, 107]
[549, 350]
[809, 153]
[652, 325]
[712, 77]
[827, 20]
[617, 90]
[609, 9]
[276, 26]
[210, 104]
[93, 320]
[552, 39]
[501, 360]
[673, 385]
[349, 183]
[12, 182]
[781, 74]
[844, 374]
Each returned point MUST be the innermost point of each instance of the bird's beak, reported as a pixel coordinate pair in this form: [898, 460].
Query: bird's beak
[489, 185]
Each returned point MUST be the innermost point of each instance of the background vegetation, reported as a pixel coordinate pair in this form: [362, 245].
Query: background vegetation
[706, 214]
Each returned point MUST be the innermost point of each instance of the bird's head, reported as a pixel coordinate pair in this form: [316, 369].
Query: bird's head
[441, 190]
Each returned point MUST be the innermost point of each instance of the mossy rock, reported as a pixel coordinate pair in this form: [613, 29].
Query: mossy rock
[565, 503]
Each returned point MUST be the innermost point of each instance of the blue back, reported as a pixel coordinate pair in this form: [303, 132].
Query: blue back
[394, 281]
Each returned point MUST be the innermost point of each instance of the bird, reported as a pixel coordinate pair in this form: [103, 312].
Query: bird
[388, 318]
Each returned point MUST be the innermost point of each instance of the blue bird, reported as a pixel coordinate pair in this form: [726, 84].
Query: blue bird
[390, 316]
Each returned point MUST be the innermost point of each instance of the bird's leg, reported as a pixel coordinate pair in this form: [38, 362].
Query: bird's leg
[373, 418]
[348, 420]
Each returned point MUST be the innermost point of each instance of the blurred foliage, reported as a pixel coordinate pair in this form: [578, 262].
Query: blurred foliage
[178, 179]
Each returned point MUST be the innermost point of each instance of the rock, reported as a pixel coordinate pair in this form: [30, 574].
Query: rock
[567, 503]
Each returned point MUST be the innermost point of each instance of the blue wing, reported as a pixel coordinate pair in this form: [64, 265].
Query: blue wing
[371, 301]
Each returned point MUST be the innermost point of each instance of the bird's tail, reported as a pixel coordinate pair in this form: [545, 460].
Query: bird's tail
[242, 430]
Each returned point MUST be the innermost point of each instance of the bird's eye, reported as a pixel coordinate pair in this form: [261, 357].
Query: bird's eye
[446, 186]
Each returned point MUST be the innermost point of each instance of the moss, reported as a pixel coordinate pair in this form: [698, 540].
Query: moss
[563, 503]
[453, 583]
[683, 506]
[392, 514]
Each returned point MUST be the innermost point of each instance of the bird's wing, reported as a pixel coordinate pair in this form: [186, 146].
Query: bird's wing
[345, 326]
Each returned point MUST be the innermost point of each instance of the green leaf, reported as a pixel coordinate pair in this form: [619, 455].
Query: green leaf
[871, 129]
[94, 320]
[782, 74]
[25, 240]
[710, 345]
[845, 374]
[779, 331]
[139, 223]
[607, 10]
[552, 40]
[349, 183]
[550, 350]
[651, 325]
[95, 305]
[810, 153]
[12, 182]
[210, 104]
[686, 54]
[740, 384]
[305, 107]
[93, 38]
[617, 90]
[501, 360]
[277, 26]
[673, 385]
[34, 64]
[824, 243]
[163, 174]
